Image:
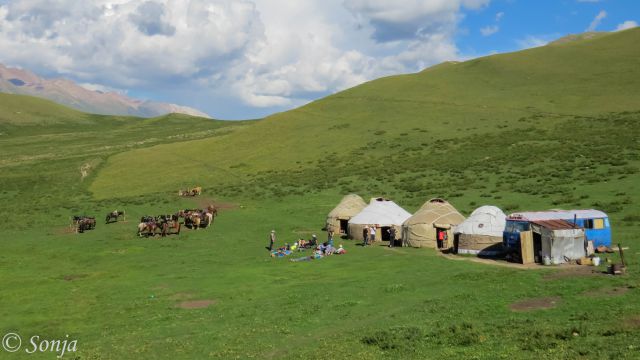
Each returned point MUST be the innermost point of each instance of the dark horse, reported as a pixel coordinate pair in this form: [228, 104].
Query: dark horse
[114, 216]
[83, 223]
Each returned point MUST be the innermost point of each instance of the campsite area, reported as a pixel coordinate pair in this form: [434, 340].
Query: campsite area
[216, 293]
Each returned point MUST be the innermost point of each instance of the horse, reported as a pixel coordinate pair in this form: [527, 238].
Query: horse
[193, 219]
[190, 191]
[114, 215]
[148, 228]
[146, 219]
[83, 223]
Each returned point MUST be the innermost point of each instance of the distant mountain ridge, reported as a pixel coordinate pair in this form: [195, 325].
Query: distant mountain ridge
[67, 92]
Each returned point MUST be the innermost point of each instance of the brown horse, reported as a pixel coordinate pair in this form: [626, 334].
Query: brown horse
[147, 228]
[82, 223]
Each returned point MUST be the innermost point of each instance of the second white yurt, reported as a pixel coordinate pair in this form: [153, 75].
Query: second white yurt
[381, 213]
[481, 232]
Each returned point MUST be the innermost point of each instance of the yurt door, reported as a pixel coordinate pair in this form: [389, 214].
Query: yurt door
[344, 224]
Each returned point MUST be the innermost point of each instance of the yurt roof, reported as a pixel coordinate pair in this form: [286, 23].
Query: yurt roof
[485, 220]
[349, 206]
[435, 202]
[381, 212]
[436, 211]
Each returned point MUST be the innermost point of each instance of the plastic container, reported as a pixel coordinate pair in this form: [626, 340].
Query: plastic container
[546, 260]
[596, 261]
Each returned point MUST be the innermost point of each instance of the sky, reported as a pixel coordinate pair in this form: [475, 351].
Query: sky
[244, 59]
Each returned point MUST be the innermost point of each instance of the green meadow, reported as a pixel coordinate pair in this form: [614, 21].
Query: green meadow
[550, 127]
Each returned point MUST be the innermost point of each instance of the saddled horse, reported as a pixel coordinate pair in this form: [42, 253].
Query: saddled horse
[168, 224]
[82, 223]
[147, 228]
[114, 215]
[193, 220]
[210, 213]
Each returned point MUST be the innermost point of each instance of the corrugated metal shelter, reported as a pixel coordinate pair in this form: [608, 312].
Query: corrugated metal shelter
[436, 215]
[481, 232]
[559, 240]
[595, 222]
[350, 206]
[558, 214]
[383, 214]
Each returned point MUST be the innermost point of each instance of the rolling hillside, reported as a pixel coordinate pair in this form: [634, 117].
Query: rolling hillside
[42, 142]
[529, 102]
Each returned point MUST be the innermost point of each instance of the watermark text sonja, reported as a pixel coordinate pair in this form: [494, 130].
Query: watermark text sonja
[12, 342]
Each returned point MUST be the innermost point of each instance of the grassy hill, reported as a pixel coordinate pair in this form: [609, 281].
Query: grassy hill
[551, 127]
[46, 148]
[403, 116]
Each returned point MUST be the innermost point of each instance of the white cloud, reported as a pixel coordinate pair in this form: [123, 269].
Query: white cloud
[532, 41]
[402, 19]
[629, 24]
[258, 53]
[597, 20]
[101, 88]
[489, 30]
[499, 16]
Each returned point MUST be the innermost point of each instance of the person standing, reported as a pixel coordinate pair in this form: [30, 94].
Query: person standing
[392, 236]
[272, 239]
[365, 235]
[330, 235]
[441, 238]
[372, 233]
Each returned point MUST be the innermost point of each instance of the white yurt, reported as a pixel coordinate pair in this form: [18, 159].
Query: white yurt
[383, 214]
[481, 232]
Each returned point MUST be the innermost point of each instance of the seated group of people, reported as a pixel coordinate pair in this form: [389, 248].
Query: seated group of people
[323, 250]
[319, 249]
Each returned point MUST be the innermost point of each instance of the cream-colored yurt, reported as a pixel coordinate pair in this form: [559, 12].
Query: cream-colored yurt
[435, 216]
[381, 213]
[350, 206]
[481, 232]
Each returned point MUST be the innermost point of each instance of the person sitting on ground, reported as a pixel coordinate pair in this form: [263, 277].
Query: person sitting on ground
[314, 240]
[322, 247]
[340, 250]
[329, 249]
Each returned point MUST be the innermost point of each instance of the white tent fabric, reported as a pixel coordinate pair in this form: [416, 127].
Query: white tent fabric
[381, 212]
[485, 220]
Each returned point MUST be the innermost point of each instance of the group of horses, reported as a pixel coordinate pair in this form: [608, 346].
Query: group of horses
[190, 192]
[81, 223]
[158, 225]
[170, 224]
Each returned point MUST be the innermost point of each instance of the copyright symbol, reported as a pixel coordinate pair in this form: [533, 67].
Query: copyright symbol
[11, 342]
